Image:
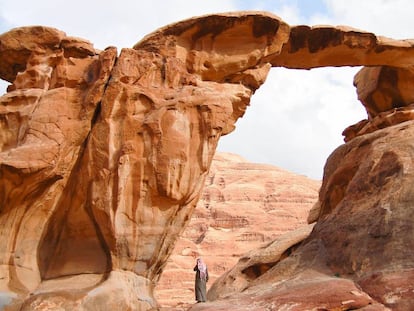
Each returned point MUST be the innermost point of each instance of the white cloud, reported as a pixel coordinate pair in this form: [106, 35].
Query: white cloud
[296, 119]
[391, 18]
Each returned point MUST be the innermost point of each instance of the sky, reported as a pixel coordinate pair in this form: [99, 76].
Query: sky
[295, 120]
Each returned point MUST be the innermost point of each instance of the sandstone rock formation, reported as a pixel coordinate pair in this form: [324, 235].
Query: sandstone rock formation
[359, 254]
[103, 158]
[256, 262]
[231, 218]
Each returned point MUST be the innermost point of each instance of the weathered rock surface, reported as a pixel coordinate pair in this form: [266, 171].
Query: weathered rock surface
[359, 254]
[231, 218]
[257, 262]
[103, 158]
[387, 95]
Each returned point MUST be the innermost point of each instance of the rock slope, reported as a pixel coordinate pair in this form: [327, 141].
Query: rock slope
[359, 253]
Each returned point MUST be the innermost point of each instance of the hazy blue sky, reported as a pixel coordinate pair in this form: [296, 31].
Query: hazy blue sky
[296, 118]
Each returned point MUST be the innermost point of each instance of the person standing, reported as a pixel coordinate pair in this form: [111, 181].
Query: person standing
[201, 280]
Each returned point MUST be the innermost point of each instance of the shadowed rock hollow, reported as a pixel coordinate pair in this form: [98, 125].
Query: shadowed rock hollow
[103, 158]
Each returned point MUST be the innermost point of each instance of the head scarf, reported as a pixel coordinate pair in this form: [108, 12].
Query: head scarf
[202, 268]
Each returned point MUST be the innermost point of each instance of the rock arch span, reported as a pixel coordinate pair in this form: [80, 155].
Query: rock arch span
[103, 157]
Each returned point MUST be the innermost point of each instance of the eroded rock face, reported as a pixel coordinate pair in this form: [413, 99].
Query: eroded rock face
[359, 253]
[232, 217]
[46, 119]
[103, 156]
[257, 262]
[103, 164]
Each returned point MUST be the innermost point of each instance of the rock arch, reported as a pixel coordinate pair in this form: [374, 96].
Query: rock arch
[107, 154]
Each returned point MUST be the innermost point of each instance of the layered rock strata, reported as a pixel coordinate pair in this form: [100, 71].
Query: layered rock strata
[232, 217]
[103, 156]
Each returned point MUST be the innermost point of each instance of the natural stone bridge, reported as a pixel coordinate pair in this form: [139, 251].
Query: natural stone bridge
[103, 157]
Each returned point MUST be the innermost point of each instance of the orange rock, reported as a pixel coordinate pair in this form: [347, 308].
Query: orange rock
[46, 117]
[382, 89]
[103, 157]
[308, 290]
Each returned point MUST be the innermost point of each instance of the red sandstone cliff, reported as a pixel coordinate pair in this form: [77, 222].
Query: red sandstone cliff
[244, 205]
